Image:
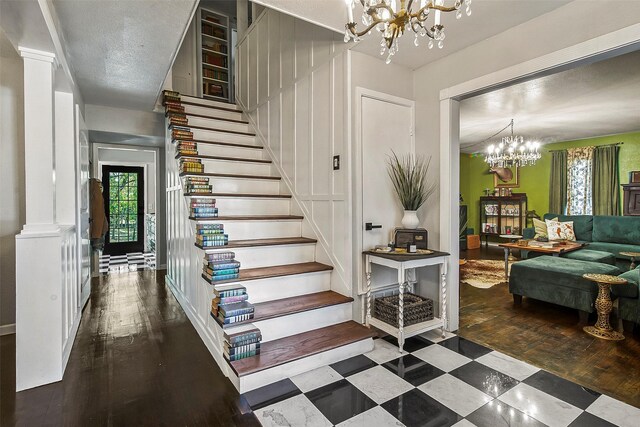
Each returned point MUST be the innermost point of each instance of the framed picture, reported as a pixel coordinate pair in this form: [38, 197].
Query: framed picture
[634, 177]
[507, 177]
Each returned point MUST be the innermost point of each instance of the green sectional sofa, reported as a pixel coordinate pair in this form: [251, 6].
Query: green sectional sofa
[612, 234]
[629, 296]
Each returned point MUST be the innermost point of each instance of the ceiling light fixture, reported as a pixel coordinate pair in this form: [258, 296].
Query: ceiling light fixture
[512, 150]
[392, 21]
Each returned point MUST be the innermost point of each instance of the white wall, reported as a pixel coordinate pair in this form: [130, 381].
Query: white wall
[124, 121]
[12, 197]
[292, 83]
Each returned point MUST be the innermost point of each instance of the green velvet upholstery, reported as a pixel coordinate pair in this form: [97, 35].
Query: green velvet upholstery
[629, 309]
[630, 290]
[528, 233]
[582, 224]
[558, 280]
[591, 255]
[617, 229]
[629, 296]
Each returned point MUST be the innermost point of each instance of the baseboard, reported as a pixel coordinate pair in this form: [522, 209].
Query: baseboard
[7, 329]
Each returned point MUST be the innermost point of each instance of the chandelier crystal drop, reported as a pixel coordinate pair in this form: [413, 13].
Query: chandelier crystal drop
[512, 150]
[392, 20]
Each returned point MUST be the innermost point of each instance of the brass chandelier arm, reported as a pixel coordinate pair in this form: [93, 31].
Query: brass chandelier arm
[352, 28]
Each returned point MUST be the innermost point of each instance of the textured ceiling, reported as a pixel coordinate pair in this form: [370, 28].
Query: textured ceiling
[488, 18]
[593, 100]
[121, 50]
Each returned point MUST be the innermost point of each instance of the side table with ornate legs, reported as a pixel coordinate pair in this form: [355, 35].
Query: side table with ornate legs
[604, 305]
[633, 256]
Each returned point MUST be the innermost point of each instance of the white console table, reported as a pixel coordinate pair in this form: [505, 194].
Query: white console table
[402, 263]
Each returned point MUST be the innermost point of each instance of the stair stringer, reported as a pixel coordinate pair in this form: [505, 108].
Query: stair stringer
[340, 282]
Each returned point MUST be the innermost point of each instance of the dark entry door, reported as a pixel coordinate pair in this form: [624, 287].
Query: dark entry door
[124, 205]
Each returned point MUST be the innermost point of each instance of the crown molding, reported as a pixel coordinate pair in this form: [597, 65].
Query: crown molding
[38, 55]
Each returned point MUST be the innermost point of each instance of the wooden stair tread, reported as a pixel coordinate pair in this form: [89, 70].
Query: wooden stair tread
[203, 116]
[227, 144]
[237, 132]
[231, 175]
[231, 159]
[262, 242]
[248, 218]
[286, 306]
[276, 271]
[295, 347]
[240, 195]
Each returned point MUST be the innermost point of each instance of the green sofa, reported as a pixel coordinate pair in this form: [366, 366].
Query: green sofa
[629, 296]
[612, 234]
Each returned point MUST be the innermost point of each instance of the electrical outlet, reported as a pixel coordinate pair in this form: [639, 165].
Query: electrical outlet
[336, 163]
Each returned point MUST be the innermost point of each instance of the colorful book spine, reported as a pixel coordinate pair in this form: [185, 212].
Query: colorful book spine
[223, 265]
[230, 292]
[223, 278]
[256, 339]
[220, 256]
[231, 300]
[242, 348]
[235, 319]
[223, 311]
[243, 355]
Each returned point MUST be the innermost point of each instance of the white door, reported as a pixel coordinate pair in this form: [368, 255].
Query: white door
[84, 243]
[386, 124]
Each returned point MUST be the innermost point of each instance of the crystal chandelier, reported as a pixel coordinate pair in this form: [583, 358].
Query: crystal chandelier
[512, 151]
[391, 21]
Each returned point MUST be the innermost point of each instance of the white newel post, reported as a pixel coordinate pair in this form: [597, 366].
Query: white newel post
[46, 318]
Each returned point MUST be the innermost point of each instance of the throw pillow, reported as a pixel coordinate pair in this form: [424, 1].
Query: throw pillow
[541, 228]
[557, 230]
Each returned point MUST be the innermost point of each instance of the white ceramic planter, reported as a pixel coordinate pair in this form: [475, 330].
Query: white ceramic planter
[410, 219]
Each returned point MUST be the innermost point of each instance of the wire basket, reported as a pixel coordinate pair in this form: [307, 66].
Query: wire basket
[416, 309]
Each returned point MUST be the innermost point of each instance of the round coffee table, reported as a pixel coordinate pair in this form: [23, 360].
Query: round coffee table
[602, 328]
[633, 256]
[512, 239]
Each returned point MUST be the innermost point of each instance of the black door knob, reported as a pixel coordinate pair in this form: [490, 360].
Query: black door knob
[369, 226]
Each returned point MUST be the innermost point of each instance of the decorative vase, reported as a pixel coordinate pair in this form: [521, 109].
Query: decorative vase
[410, 219]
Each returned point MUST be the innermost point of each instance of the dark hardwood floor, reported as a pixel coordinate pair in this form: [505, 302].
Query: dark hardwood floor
[136, 361]
[548, 336]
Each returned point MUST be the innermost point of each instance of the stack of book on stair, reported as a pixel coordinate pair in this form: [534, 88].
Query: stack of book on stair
[209, 235]
[177, 119]
[170, 96]
[220, 266]
[187, 148]
[197, 184]
[188, 165]
[203, 208]
[179, 133]
[242, 342]
[230, 304]
[173, 107]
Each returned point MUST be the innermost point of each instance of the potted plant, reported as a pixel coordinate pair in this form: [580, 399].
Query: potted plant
[409, 178]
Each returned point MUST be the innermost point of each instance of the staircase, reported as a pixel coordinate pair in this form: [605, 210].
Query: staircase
[304, 323]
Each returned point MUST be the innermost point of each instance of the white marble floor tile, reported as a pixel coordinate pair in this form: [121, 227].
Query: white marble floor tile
[508, 365]
[615, 411]
[435, 335]
[441, 357]
[455, 394]
[540, 405]
[296, 411]
[384, 351]
[464, 423]
[379, 384]
[374, 417]
[316, 378]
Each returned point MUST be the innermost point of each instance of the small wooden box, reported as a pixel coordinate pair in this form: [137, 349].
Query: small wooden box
[473, 241]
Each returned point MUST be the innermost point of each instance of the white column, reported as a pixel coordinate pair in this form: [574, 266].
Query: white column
[242, 10]
[65, 159]
[39, 68]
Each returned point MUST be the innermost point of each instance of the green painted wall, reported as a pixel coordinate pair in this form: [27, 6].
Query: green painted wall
[534, 180]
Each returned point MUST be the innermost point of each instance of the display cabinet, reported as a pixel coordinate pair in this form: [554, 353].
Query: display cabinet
[502, 215]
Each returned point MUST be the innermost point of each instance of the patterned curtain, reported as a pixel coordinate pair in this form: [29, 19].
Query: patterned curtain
[558, 182]
[579, 181]
[606, 184]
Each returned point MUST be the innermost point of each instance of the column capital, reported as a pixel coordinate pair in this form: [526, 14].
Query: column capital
[38, 55]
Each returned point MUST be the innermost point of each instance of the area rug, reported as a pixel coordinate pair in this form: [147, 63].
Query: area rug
[482, 273]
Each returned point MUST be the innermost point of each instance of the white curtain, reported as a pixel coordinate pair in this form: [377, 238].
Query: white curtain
[579, 181]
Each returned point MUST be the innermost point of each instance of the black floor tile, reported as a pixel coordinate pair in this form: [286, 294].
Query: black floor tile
[589, 420]
[416, 409]
[410, 344]
[499, 414]
[270, 394]
[413, 370]
[485, 379]
[562, 389]
[340, 401]
[465, 347]
[353, 365]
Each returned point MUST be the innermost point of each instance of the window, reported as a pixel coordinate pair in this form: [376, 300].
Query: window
[579, 181]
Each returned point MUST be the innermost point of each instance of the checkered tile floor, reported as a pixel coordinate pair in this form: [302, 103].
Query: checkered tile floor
[434, 383]
[135, 261]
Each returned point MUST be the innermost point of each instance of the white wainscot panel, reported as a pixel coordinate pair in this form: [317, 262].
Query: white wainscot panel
[288, 133]
[243, 68]
[341, 223]
[263, 120]
[303, 37]
[287, 49]
[322, 218]
[321, 122]
[339, 127]
[274, 52]
[274, 126]
[302, 141]
[253, 69]
[263, 60]
[322, 46]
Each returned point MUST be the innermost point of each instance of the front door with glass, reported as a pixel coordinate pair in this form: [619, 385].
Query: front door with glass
[124, 205]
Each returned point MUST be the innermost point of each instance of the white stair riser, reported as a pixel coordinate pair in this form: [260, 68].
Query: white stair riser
[212, 112]
[268, 256]
[228, 206]
[217, 136]
[273, 288]
[242, 230]
[284, 326]
[244, 185]
[277, 373]
[218, 124]
[230, 151]
[209, 102]
[228, 166]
